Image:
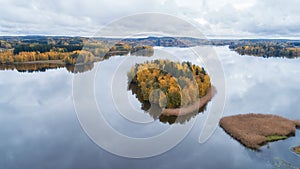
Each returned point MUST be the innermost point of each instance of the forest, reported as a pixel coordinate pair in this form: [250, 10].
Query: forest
[15, 49]
[69, 58]
[169, 84]
[81, 50]
[122, 48]
[66, 51]
[267, 50]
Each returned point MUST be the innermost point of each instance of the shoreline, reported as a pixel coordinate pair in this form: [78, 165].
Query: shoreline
[39, 61]
[193, 107]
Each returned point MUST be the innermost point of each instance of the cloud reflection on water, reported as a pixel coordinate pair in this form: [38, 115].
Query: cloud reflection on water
[39, 128]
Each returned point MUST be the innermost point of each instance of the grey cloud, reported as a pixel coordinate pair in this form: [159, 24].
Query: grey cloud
[166, 25]
[264, 18]
[222, 18]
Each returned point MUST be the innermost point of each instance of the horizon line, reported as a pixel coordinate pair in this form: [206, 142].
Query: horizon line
[119, 37]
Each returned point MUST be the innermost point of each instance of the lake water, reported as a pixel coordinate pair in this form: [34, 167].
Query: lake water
[39, 127]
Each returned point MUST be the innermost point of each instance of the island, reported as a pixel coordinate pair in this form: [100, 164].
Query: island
[176, 88]
[255, 130]
[296, 150]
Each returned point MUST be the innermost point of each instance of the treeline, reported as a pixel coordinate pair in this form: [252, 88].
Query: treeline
[142, 50]
[69, 58]
[71, 54]
[122, 48]
[42, 48]
[5, 44]
[266, 50]
[10, 42]
[169, 84]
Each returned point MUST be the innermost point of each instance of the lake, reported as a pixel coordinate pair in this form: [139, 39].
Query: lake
[40, 128]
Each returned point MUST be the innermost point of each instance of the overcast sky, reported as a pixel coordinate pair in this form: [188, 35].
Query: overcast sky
[214, 18]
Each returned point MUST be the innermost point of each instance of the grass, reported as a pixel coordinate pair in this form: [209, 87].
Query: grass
[276, 138]
[255, 130]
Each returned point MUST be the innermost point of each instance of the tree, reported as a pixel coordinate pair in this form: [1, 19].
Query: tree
[161, 87]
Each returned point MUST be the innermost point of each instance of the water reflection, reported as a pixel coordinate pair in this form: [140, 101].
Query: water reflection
[137, 51]
[39, 128]
[43, 67]
[156, 111]
[80, 68]
[31, 67]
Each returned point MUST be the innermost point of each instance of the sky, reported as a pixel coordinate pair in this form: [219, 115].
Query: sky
[214, 18]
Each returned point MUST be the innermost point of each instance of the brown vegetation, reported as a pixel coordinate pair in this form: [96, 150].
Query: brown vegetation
[192, 107]
[296, 149]
[156, 113]
[254, 130]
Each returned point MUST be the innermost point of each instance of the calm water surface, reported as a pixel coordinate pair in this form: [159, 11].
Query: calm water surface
[39, 127]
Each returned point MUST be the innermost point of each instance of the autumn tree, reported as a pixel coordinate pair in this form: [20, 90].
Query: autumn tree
[169, 84]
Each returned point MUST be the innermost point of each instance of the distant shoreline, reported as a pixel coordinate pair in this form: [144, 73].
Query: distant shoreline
[60, 62]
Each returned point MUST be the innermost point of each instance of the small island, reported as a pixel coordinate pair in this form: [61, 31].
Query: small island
[255, 130]
[122, 48]
[296, 150]
[177, 88]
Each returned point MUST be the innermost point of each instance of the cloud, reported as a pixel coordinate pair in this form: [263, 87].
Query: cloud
[215, 18]
[259, 18]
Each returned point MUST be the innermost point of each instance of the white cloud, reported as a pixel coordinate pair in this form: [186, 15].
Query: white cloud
[243, 5]
[201, 21]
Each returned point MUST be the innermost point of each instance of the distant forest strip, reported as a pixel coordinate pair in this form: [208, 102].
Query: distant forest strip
[107, 47]
[68, 50]
[42, 48]
[70, 54]
[69, 58]
[266, 50]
